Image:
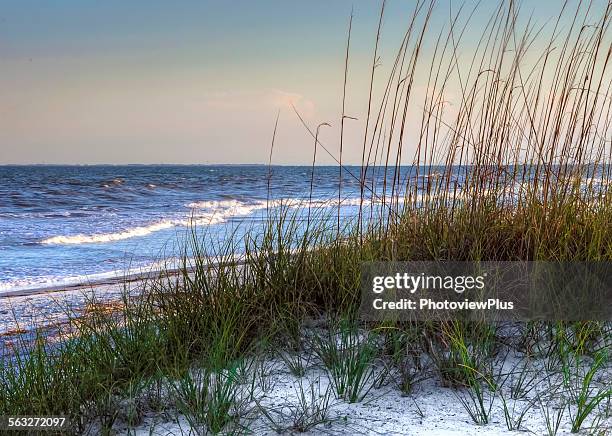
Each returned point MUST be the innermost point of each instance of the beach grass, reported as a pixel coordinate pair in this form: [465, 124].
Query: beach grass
[533, 147]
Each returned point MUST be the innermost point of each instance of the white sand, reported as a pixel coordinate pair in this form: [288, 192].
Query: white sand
[430, 410]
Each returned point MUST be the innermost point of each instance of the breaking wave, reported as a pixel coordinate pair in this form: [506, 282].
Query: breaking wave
[110, 237]
[202, 213]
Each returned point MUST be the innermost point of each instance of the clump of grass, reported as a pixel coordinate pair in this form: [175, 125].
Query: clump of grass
[348, 354]
[35, 383]
[406, 356]
[477, 399]
[583, 394]
[296, 362]
[466, 365]
[523, 380]
[553, 416]
[210, 400]
[478, 396]
[311, 408]
[460, 349]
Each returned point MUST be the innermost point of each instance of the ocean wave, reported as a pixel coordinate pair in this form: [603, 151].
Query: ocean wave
[242, 208]
[216, 204]
[112, 183]
[110, 237]
[203, 213]
[218, 213]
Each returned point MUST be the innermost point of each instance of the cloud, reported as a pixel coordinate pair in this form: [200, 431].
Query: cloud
[284, 100]
[260, 100]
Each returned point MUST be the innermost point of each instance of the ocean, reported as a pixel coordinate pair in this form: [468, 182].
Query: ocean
[62, 225]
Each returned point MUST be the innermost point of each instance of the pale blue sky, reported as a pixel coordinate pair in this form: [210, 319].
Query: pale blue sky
[120, 81]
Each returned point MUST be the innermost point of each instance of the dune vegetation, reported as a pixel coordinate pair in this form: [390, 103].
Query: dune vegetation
[519, 169]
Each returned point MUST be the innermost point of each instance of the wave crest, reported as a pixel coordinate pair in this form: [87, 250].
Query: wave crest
[109, 237]
[203, 213]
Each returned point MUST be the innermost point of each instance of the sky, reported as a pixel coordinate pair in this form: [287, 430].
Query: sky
[200, 82]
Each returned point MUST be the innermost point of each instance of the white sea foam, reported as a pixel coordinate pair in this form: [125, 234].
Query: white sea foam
[215, 204]
[202, 213]
[56, 281]
[110, 237]
[239, 207]
[45, 282]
